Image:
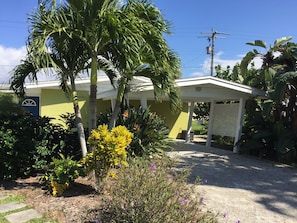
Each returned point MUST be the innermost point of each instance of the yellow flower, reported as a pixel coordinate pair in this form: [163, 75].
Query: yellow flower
[112, 174]
[125, 163]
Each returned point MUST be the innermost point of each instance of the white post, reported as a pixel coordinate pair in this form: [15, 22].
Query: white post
[239, 124]
[210, 124]
[112, 101]
[190, 111]
[143, 101]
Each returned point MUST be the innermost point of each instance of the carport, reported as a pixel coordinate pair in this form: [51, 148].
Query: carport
[227, 103]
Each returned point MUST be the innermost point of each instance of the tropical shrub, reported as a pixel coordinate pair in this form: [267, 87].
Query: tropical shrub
[16, 145]
[27, 145]
[61, 174]
[108, 150]
[149, 191]
[272, 135]
[266, 137]
[149, 131]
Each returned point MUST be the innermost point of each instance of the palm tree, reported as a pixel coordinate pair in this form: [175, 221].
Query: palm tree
[100, 24]
[163, 81]
[154, 59]
[128, 34]
[66, 57]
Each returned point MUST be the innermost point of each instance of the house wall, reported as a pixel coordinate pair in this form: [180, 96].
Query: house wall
[175, 122]
[103, 106]
[54, 103]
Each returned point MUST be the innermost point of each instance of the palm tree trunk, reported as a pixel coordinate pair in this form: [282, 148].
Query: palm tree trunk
[117, 107]
[78, 120]
[93, 95]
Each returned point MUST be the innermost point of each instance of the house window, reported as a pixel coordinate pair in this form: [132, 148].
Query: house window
[32, 105]
[29, 102]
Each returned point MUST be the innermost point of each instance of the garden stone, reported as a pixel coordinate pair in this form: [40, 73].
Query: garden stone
[11, 206]
[23, 216]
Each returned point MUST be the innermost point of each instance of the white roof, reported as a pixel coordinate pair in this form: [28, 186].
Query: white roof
[204, 88]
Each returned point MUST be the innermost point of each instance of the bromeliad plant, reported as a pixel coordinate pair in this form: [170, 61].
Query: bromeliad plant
[108, 150]
[148, 128]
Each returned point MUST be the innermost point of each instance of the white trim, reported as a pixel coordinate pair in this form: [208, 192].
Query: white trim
[190, 111]
[239, 124]
[143, 101]
[210, 124]
[29, 102]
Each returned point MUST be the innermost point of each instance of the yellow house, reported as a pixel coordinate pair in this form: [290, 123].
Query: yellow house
[46, 99]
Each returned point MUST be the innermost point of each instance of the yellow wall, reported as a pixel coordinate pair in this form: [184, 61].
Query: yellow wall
[175, 122]
[103, 106]
[54, 103]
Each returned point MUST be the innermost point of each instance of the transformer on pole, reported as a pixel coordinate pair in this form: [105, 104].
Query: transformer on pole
[210, 49]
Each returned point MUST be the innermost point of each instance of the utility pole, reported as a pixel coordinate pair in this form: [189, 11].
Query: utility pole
[210, 49]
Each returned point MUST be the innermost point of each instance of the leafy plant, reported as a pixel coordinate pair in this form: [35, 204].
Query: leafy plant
[149, 131]
[28, 144]
[17, 147]
[108, 150]
[271, 124]
[61, 174]
[149, 191]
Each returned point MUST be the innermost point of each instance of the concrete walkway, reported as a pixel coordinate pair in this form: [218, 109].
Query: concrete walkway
[241, 188]
[18, 215]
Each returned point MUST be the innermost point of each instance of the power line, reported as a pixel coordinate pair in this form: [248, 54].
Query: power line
[210, 49]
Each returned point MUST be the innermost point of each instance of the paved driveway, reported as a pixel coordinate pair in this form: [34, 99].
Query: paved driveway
[246, 189]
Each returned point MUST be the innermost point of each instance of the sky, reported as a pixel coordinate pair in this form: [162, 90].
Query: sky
[192, 21]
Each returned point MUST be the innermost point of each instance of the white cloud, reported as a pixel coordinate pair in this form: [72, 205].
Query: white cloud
[218, 60]
[9, 58]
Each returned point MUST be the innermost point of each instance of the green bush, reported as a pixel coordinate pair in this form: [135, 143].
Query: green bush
[61, 174]
[16, 146]
[149, 130]
[53, 139]
[27, 145]
[149, 191]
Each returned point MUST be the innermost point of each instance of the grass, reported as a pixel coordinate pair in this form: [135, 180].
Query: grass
[199, 129]
[15, 198]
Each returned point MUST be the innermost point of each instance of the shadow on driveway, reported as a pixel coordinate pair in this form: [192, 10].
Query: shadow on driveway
[274, 185]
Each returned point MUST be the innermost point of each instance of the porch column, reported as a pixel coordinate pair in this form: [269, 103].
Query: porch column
[210, 124]
[190, 111]
[112, 101]
[143, 101]
[238, 129]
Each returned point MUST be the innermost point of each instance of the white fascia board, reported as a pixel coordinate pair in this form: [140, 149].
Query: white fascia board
[107, 95]
[220, 83]
[5, 88]
[79, 83]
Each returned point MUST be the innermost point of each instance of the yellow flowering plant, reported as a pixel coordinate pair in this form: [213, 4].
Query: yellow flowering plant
[61, 174]
[109, 150]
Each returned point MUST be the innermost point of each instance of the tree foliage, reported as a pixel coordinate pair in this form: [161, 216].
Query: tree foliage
[271, 124]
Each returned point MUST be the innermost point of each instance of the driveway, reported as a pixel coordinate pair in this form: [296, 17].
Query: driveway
[241, 188]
